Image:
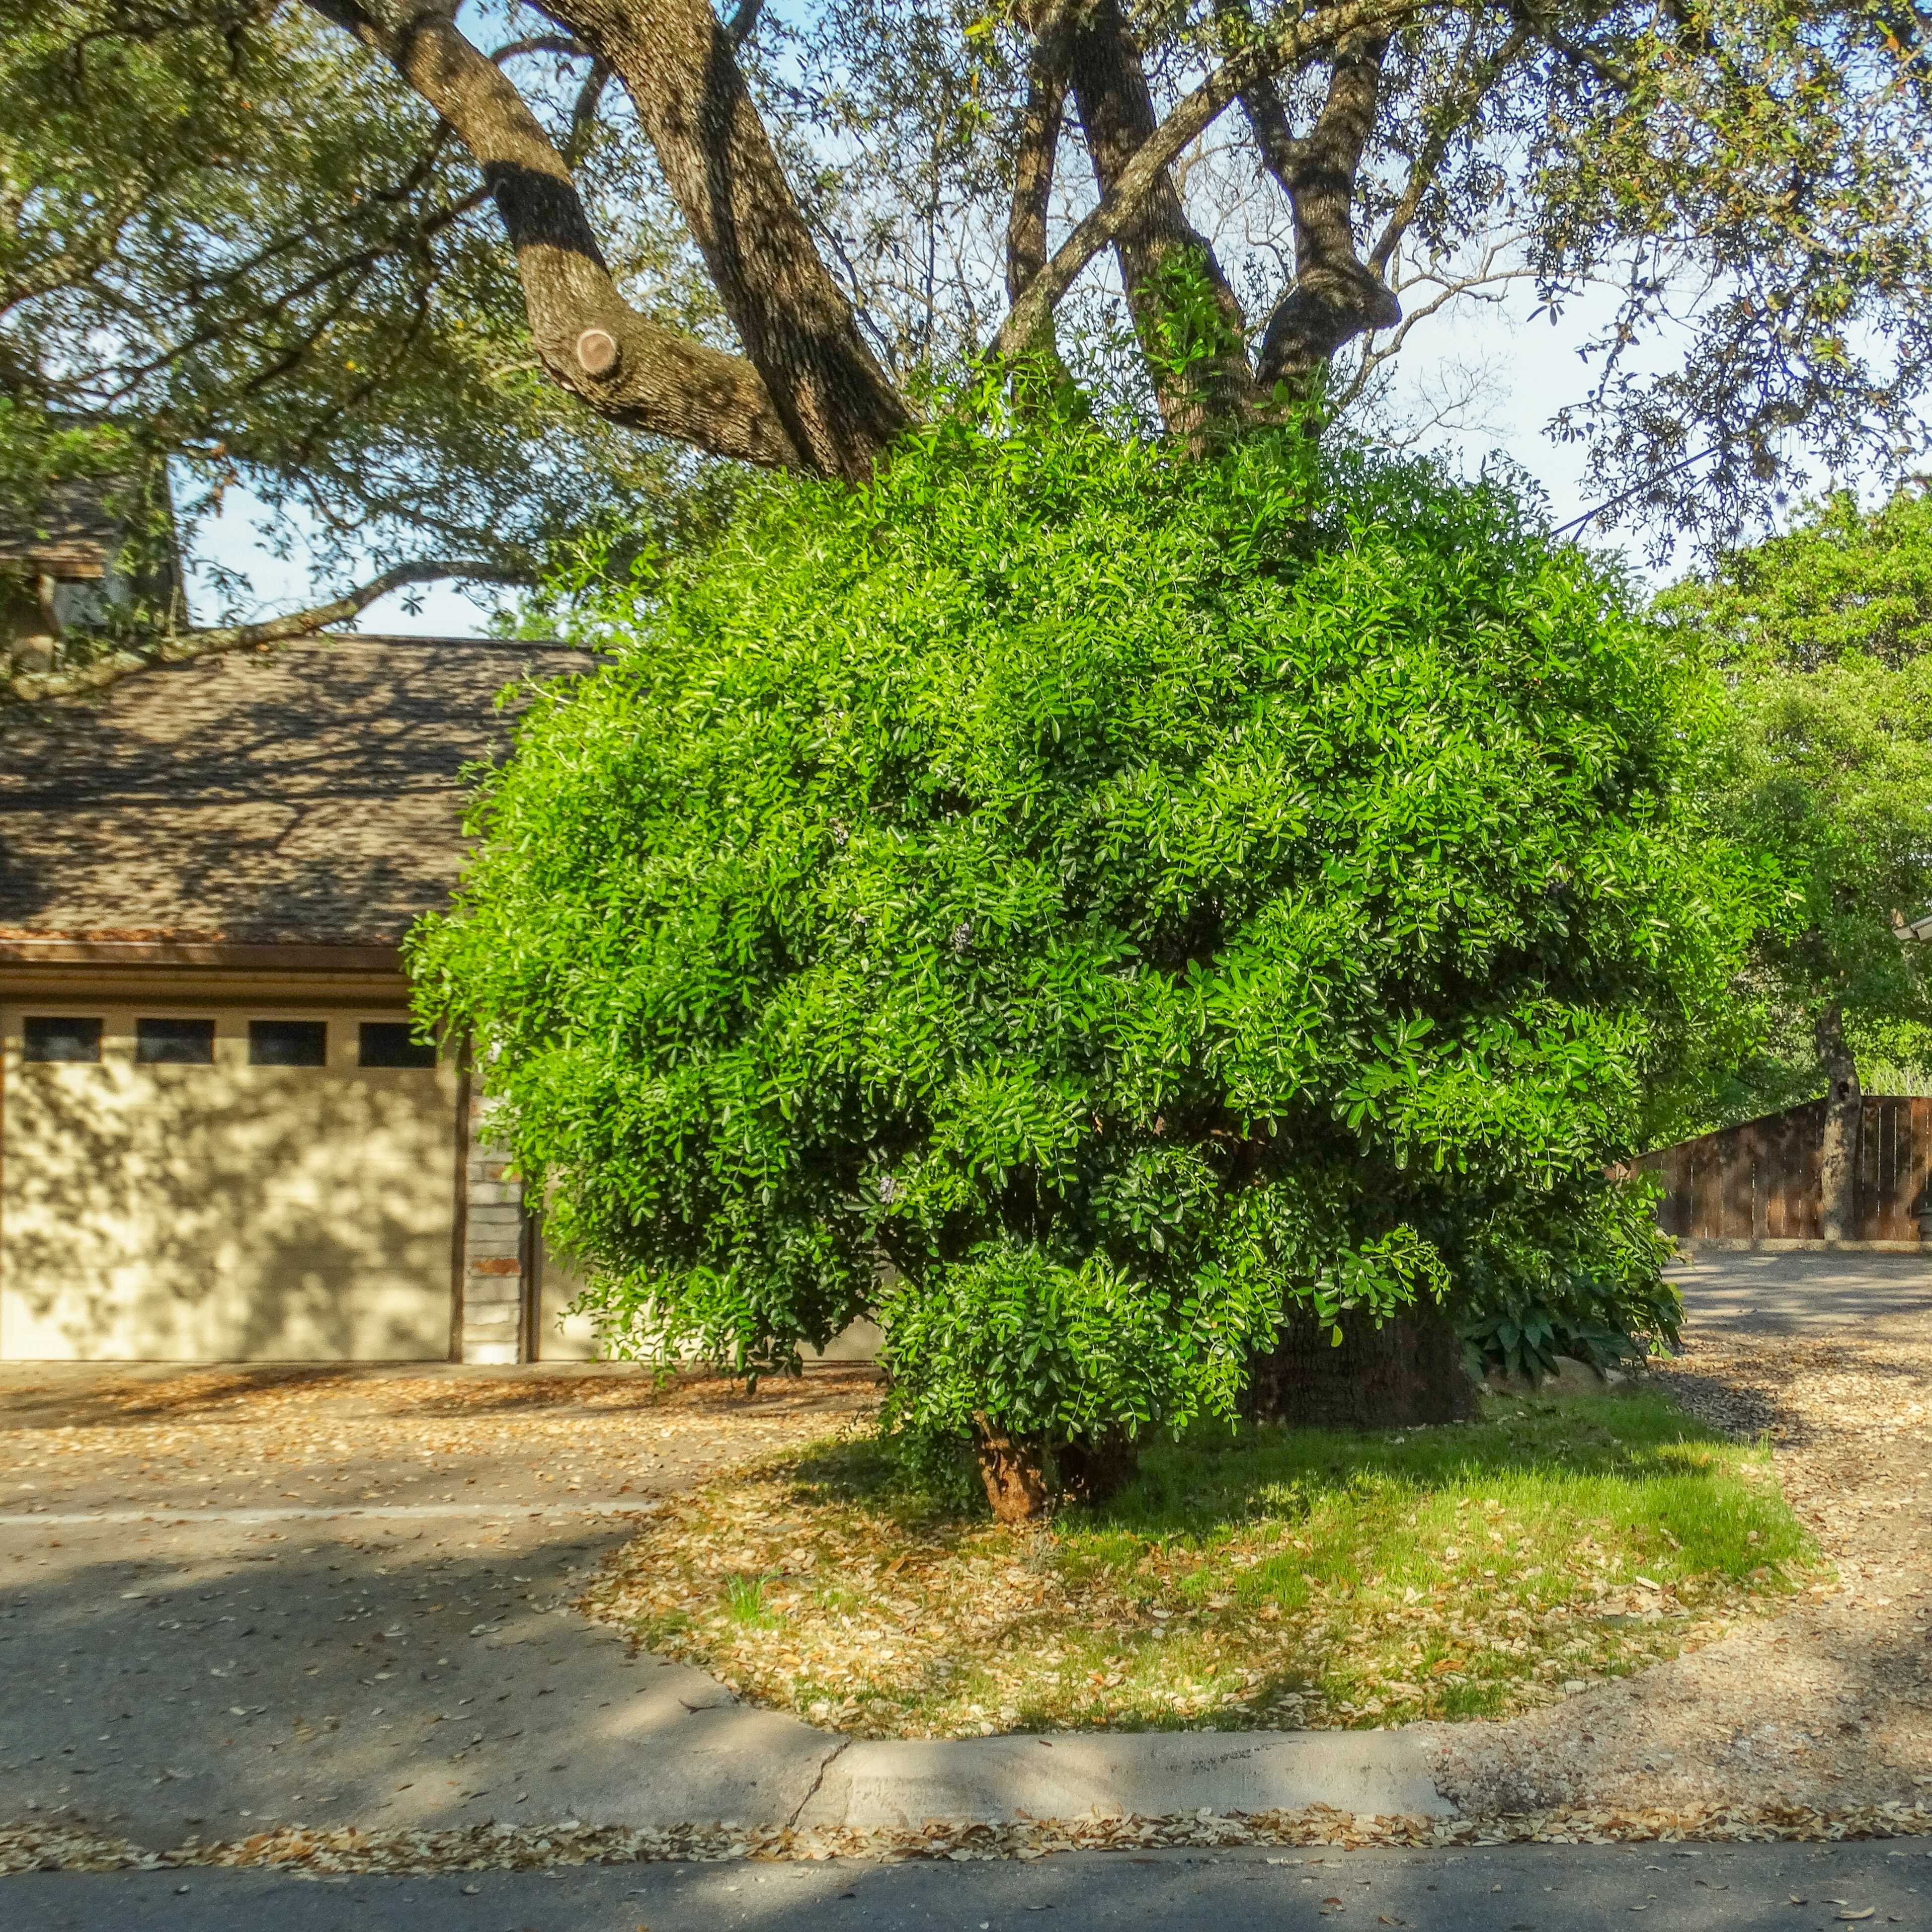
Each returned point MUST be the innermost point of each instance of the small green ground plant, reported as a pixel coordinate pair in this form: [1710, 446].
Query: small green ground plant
[1270, 1579]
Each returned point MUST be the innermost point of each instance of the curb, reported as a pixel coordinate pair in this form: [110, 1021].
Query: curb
[899, 1784]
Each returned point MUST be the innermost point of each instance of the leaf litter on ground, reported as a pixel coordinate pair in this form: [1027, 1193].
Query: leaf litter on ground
[54, 1845]
[1273, 1579]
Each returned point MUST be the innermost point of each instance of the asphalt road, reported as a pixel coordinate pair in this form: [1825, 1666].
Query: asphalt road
[1512, 1888]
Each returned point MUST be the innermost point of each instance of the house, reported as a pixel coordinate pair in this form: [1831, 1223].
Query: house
[220, 1136]
[91, 548]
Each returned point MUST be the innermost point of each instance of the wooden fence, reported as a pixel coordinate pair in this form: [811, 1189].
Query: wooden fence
[1758, 1181]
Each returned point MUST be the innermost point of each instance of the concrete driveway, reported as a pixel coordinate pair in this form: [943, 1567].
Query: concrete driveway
[228, 1598]
[1794, 1291]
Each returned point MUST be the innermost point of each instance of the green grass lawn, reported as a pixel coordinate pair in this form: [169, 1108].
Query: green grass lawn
[1273, 1578]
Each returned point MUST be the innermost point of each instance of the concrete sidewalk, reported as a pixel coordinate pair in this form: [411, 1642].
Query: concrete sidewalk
[217, 1678]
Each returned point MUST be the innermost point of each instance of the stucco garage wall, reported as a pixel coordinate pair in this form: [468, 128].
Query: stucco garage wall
[563, 1337]
[225, 1212]
[560, 1336]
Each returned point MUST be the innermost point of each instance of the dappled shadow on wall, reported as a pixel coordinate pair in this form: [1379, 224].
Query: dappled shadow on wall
[223, 1212]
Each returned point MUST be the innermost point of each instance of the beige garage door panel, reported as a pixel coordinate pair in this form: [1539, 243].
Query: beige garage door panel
[225, 1213]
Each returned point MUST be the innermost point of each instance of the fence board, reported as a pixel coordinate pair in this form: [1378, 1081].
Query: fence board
[1758, 1181]
[1735, 1180]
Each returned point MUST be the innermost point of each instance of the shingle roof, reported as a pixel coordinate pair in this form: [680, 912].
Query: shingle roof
[311, 795]
[74, 530]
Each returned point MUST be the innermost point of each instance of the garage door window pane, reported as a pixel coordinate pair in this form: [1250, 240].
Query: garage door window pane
[288, 1043]
[394, 1043]
[59, 1038]
[175, 1043]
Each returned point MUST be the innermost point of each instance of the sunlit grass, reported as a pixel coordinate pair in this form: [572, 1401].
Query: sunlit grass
[1276, 1579]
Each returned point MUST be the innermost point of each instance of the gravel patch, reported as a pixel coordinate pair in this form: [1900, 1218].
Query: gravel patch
[1828, 1705]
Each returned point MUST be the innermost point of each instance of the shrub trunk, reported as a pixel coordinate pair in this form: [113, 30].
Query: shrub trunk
[1013, 1468]
[1024, 1475]
[1407, 1369]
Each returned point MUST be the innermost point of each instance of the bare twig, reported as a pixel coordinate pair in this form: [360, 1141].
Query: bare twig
[564, 45]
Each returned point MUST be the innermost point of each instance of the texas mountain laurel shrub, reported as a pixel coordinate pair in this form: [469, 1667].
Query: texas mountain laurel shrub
[1080, 907]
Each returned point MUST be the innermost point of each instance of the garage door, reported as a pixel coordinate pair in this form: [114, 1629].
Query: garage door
[192, 1185]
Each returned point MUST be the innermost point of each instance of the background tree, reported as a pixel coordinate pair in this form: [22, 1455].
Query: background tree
[231, 243]
[1822, 635]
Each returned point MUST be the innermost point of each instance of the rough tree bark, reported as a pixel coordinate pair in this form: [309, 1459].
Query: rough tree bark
[808, 391]
[1838, 1155]
[590, 340]
[1041, 121]
[1289, 44]
[680, 67]
[1215, 396]
[1014, 1470]
[1025, 1475]
[1406, 1371]
[1335, 296]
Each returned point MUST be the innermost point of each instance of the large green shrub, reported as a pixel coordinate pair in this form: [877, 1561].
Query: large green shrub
[1082, 907]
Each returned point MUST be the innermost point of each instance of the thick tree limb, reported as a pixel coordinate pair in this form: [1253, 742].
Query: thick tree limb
[1268, 121]
[1040, 123]
[32, 687]
[1335, 295]
[584, 114]
[1300, 39]
[680, 67]
[628, 368]
[1153, 239]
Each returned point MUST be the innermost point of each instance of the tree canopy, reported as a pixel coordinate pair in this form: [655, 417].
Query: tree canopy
[1821, 635]
[859, 183]
[231, 242]
[764, 237]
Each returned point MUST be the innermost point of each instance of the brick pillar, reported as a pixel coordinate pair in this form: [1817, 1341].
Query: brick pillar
[495, 1252]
